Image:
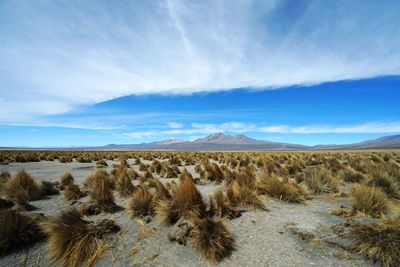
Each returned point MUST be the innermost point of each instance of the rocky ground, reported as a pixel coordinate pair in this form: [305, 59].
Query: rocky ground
[286, 235]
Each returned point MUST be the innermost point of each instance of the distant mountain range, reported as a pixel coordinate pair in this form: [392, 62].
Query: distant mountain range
[219, 141]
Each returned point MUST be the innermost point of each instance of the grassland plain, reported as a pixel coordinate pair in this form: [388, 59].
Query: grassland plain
[200, 208]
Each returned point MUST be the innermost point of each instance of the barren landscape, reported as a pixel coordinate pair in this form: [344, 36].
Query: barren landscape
[199, 208]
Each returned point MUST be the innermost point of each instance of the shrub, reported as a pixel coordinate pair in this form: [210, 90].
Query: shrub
[379, 242]
[369, 200]
[101, 186]
[22, 181]
[73, 241]
[17, 231]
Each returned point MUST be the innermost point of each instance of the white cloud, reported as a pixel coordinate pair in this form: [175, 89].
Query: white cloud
[137, 134]
[236, 127]
[175, 125]
[57, 56]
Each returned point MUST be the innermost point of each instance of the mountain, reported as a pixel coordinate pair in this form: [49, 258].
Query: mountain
[385, 142]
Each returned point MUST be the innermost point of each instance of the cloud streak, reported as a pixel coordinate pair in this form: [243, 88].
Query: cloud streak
[56, 56]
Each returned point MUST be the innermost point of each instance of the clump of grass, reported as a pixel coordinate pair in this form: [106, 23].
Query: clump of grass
[369, 200]
[4, 178]
[211, 238]
[387, 177]
[73, 241]
[101, 188]
[162, 192]
[124, 184]
[67, 179]
[101, 163]
[22, 181]
[17, 231]
[212, 172]
[379, 242]
[287, 190]
[221, 207]
[141, 202]
[185, 198]
[321, 180]
[350, 175]
[72, 193]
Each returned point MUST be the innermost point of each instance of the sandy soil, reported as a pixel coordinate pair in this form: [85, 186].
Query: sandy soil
[262, 238]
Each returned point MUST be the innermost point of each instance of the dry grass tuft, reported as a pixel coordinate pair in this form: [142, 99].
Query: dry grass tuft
[369, 200]
[321, 180]
[67, 179]
[185, 198]
[19, 183]
[72, 193]
[379, 242]
[141, 202]
[241, 195]
[221, 207]
[100, 186]
[124, 184]
[17, 231]
[287, 191]
[48, 188]
[211, 238]
[73, 241]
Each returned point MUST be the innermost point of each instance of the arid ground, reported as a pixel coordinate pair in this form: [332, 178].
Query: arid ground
[278, 208]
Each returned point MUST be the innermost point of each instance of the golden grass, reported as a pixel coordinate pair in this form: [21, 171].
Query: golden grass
[17, 231]
[72, 192]
[287, 191]
[185, 198]
[141, 202]
[220, 206]
[124, 184]
[20, 182]
[321, 180]
[73, 241]
[67, 179]
[379, 242]
[369, 200]
[241, 195]
[211, 238]
[101, 188]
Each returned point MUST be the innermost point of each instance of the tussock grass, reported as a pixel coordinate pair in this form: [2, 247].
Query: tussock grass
[48, 188]
[321, 180]
[185, 198]
[221, 206]
[72, 193]
[73, 241]
[369, 200]
[287, 190]
[211, 238]
[67, 179]
[19, 183]
[141, 202]
[101, 188]
[350, 175]
[17, 231]
[124, 184]
[240, 195]
[379, 242]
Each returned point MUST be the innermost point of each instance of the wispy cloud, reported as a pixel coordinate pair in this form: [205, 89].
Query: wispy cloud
[56, 56]
[237, 127]
[175, 125]
[137, 135]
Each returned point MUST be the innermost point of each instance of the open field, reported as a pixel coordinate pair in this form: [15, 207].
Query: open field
[200, 208]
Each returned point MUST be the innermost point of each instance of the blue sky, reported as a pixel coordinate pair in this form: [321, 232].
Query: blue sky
[78, 73]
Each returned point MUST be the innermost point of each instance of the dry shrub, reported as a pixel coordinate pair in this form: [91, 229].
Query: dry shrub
[17, 231]
[20, 182]
[241, 195]
[162, 192]
[379, 242]
[287, 191]
[321, 180]
[141, 202]
[185, 198]
[369, 200]
[101, 188]
[211, 238]
[124, 184]
[72, 192]
[73, 241]
[67, 179]
[212, 172]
